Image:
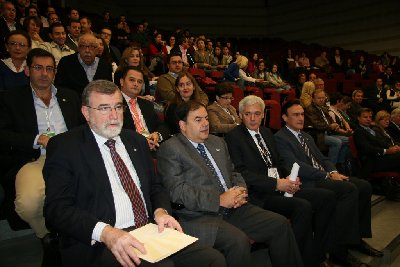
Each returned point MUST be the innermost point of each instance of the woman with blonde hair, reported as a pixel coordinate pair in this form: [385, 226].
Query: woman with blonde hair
[306, 94]
[382, 121]
[132, 56]
[236, 72]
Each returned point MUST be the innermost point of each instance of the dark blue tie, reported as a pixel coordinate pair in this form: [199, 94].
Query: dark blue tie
[202, 150]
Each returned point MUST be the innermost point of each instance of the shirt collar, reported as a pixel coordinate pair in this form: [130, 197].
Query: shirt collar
[52, 87]
[173, 74]
[83, 63]
[100, 140]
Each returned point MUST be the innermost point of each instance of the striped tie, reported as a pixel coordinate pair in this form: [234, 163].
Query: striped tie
[314, 160]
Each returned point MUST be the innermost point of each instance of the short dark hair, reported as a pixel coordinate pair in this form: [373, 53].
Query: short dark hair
[38, 52]
[73, 21]
[183, 109]
[35, 19]
[224, 88]
[100, 86]
[363, 110]
[174, 54]
[18, 32]
[346, 99]
[107, 28]
[128, 68]
[317, 91]
[54, 25]
[335, 97]
[289, 104]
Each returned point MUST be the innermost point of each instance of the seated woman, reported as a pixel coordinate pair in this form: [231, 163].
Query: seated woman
[12, 73]
[185, 91]
[393, 95]
[222, 116]
[132, 56]
[202, 58]
[158, 55]
[236, 72]
[218, 59]
[274, 78]
[33, 25]
[226, 56]
[104, 53]
[306, 94]
[382, 120]
[261, 73]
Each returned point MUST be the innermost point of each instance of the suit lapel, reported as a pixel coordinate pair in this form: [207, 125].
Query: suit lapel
[219, 158]
[128, 120]
[92, 155]
[26, 101]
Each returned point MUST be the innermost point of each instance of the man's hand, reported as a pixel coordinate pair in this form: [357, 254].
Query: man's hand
[148, 97]
[43, 140]
[285, 185]
[334, 126]
[121, 244]
[338, 177]
[393, 150]
[152, 140]
[233, 198]
[163, 219]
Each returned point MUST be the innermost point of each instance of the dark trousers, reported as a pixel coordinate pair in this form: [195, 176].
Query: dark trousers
[310, 211]
[262, 226]
[353, 209]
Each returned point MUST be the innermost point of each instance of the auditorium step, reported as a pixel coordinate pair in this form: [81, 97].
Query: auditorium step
[385, 233]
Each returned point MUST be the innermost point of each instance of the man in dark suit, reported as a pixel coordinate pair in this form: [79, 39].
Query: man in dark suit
[353, 208]
[8, 23]
[254, 154]
[212, 198]
[29, 117]
[106, 33]
[375, 97]
[140, 115]
[100, 184]
[74, 31]
[394, 126]
[77, 70]
[376, 151]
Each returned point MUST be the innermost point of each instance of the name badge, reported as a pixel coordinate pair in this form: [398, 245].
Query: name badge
[273, 172]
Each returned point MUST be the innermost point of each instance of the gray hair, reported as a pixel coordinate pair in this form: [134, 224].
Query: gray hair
[249, 101]
[395, 113]
[99, 86]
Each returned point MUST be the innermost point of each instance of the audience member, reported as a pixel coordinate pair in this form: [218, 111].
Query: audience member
[236, 72]
[353, 195]
[322, 62]
[32, 26]
[274, 79]
[182, 47]
[355, 106]
[362, 67]
[202, 57]
[185, 91]
[337, 61]
[57, 47]
[317, 117]
[306, 94]
[86, 25]
[8, 23]
[226, 57]
[301, 79]
[387, 76]
[253, 152]
[77, 70]
[304, 61]
[141, 115]
[196, 170]
[376, 153]
[73, 14]
[106, 34]
[30, 116]
[382, 120]
[375, 97]
[96, 228]
[74, 31]
[393, 94]
[171, 43]
[394, 125]
[166, 90]
[222, 116]
[140, 36]
[12, 68]
[158, 53]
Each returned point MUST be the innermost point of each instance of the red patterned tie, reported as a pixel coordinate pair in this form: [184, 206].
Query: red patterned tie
[129, 186]
[135, 114]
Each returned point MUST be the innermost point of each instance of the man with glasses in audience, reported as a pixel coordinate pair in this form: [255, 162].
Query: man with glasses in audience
[74, 31]
[8, 23]
[29, 117]
[106, 34]
[77, 70]
[166, 90]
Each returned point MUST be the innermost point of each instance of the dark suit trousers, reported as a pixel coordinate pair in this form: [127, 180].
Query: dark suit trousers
[353, 209]
[310, 207]
[194, 256]
[250, 221]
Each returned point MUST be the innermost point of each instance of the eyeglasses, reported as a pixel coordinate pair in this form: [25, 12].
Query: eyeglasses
[227, 97]
[15, 44]
[187, 84]
[41, 68]
[176, 62]
[105, 110]
[90, 47]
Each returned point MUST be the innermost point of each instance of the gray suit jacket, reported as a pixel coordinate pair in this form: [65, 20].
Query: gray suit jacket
[190, 182]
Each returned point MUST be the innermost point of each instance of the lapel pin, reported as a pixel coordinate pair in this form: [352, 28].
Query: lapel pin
[217, 149]
[134, 149]
[64, 100]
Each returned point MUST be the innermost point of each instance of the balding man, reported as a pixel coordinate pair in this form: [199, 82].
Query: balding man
[77, 70]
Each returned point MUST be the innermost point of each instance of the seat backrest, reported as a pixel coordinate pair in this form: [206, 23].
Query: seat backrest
[238, 95]
[353, 148]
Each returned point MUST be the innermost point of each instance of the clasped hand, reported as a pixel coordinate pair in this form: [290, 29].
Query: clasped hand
[233, 198]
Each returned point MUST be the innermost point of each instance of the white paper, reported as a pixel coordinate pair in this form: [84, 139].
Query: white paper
[293, 176]
[160, 245]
